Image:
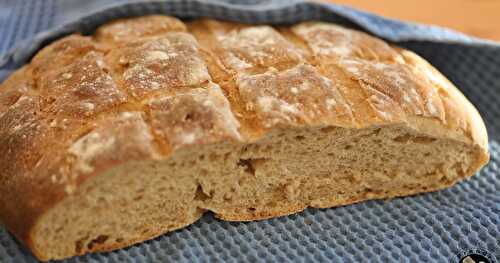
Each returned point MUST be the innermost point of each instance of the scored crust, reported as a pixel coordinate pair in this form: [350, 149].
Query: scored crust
[144, 88]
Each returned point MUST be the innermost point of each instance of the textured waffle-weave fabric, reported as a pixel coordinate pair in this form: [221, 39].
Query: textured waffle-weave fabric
[430, 227]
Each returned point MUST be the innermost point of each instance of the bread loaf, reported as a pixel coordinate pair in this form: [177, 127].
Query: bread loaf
[115, 138]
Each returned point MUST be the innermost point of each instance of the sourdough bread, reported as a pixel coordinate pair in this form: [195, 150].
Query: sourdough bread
[115, 138]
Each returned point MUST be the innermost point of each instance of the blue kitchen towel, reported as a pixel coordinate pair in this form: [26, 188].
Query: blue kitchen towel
[434, 227]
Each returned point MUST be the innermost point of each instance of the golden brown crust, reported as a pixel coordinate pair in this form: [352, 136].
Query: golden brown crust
[142, 88]
[162, 64]
[197, 116]
[17, 85]
[124, 30]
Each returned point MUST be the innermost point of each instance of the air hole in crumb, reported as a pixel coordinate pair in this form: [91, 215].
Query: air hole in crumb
[299, 137]
[402, 138]
[247, 165]
[79, 245]
[199, 195]
[98, 240]
[252, 209]
[415, 139]
[445, 180]
[423, 140]
[119, 240]
[188, 117]
[327, 129]
[347, 147]
[137, 198]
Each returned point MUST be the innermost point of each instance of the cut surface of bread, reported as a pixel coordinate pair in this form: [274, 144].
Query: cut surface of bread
[280, 174]
[116, 138]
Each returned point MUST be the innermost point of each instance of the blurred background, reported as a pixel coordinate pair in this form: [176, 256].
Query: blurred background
[480, 18]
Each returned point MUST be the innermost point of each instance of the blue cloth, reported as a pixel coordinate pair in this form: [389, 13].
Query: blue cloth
[424, 228]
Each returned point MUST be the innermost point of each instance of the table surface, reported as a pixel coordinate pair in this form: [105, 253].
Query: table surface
[480, 18]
